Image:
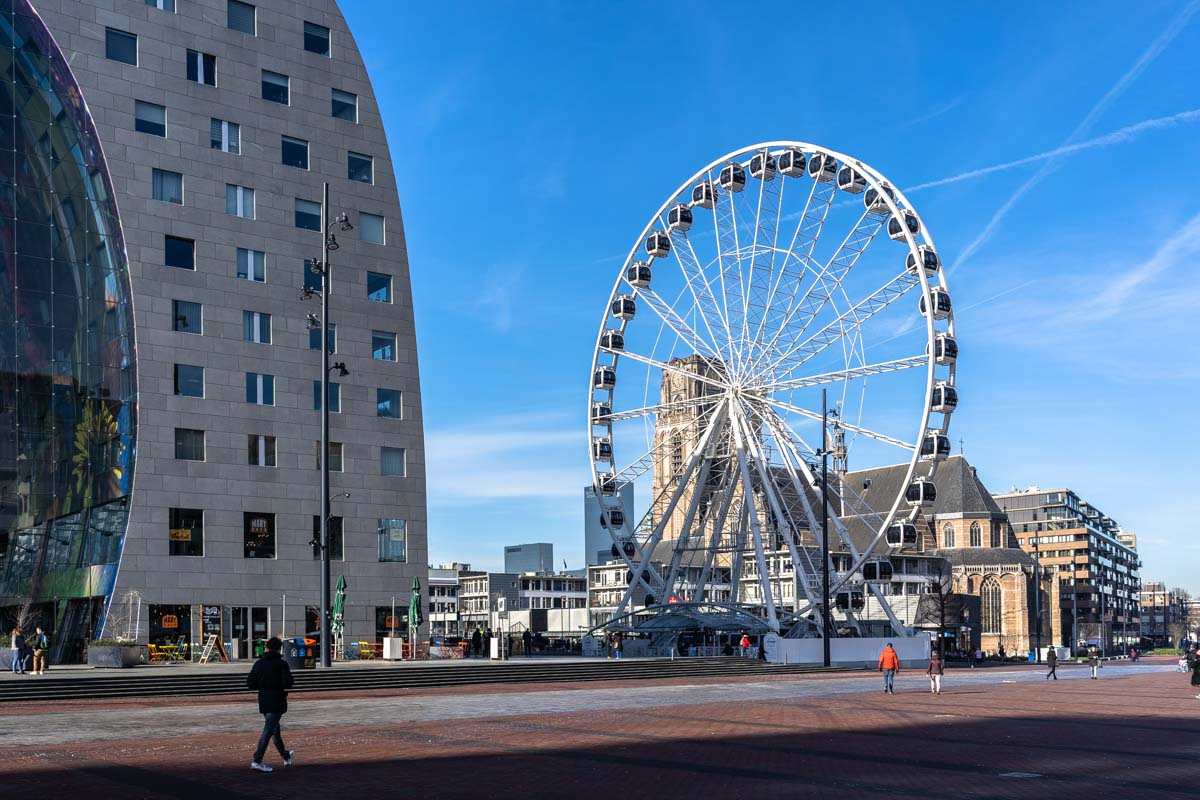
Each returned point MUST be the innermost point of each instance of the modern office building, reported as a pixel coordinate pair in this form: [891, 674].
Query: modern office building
[443, 598]
[1165, 615]
[537, 557]
[1097, 575]
[161, 195]
[597, 542]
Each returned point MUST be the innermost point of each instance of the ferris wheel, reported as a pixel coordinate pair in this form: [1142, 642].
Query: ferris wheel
[774, 276]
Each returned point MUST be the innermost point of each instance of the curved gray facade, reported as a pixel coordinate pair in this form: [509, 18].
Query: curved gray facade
[220, 120]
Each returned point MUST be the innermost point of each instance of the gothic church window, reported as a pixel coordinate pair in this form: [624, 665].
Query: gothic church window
[976, 535]
[991, 597]
[948, 536]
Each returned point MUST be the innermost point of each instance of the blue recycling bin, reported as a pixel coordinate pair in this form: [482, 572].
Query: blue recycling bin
[1033, 656]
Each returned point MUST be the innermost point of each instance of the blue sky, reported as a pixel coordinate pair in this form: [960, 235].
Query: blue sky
[532, 143]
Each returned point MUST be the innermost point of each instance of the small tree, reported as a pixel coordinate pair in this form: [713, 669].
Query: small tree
[1181, 624]
[939, 605]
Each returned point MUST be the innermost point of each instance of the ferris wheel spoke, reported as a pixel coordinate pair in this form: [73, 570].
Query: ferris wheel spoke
[675, 322]
[677, 370]
[662, 408]
[762, 261]
[813, 415]
[849, 374]
[845, 324]
[701, 289]
[651, 459]
[756, 533]
[729, 262]
[791, 321]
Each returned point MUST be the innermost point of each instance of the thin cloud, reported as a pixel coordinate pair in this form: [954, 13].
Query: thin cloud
[1156, 47]
[1183, 247]
[1120, 136]
[937, 112]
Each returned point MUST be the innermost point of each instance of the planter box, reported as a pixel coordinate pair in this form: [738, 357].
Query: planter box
[116, 657]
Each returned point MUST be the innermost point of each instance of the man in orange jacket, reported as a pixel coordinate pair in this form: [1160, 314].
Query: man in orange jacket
[889, 664]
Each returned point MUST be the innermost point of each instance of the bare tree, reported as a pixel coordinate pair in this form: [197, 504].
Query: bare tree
[27, 616]
[939, 605]
[1180, 615]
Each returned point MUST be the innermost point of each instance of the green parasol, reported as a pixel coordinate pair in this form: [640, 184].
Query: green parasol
[338, 611]
[415, 617]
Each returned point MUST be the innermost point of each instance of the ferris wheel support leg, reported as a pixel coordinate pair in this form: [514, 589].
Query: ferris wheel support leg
[755, 528]
[646, 552]
[685, 534]
[701, 590]
[781, 518]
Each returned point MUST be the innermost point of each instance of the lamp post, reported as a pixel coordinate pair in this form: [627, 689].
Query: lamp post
[826, 627]
[321, 267]
[1037, 594]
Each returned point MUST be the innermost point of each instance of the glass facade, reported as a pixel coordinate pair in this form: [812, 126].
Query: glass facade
[68, 415]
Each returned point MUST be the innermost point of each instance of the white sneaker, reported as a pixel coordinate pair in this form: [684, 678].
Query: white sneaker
[261, 767]
[287, 762]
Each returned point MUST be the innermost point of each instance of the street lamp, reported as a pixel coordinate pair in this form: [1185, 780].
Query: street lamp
[824, 454]
[320, 266]
[1037, 594]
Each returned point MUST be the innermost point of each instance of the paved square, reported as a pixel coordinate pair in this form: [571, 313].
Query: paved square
[993, 733]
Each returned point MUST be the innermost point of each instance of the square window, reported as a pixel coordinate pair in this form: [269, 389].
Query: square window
[186, 317]
[251, 265]
[120, 46]
[275, 87]
[149, 118]
[201, 68]
[393, 538]
[189, 444]
[189, 381]
[360, 168]
[370, 228]
[239, 201]
[316, 39]
[335, 537]
[383, 346]
[225, 136]
[345, 105]
[256, 327]
[387, 404]
[260, 450]
[308, 215]
[392, 462]
[241, 17]
[335, 397]
[258, 534]
[335, 456]
[162, 5]
[314, 339]
[167, 186]
[294, 152]
[179, 252]
[186, 531]
[379, 287]
[260, 389]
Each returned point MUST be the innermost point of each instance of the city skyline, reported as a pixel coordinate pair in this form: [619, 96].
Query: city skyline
[1073, 326]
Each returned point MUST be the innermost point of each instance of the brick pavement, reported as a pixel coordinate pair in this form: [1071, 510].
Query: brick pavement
[1132, 734]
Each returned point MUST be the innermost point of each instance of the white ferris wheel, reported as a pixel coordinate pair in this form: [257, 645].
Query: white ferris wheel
[775, 274]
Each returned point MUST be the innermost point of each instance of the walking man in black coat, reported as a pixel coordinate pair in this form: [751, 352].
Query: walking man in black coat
[272, 677]
[1052, 663]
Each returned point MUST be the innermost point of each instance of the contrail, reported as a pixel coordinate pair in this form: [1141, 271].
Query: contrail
[1120, 136]
[1156, 47]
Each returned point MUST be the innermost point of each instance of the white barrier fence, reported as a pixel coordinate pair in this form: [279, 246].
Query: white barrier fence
[913, 651]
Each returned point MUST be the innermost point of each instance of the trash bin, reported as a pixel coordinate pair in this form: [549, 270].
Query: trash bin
[1033, 656]
[260, 645]
[297, 655]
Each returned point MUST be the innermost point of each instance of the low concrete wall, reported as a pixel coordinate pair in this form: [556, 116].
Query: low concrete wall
[862, 653]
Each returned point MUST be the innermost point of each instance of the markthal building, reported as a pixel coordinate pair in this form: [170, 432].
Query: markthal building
[161, 202]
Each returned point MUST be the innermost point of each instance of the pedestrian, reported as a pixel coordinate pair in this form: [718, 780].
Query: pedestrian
[1196, 675]
[971, 656]
[1191, 657]
[476, 642]
[618, 644]
[527, 640]
[889, 665]
[487, 642]
[1093, 657]
[41, 647]
[272, 677]
[16, 643]
[745, 644]
[935, 670]
[1052, 663]
[1133, 654]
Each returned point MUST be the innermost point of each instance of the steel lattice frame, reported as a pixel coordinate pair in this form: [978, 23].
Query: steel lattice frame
[761, 312]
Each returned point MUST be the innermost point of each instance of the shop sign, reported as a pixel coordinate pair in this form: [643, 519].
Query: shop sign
[181, 534]
[170, 621]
